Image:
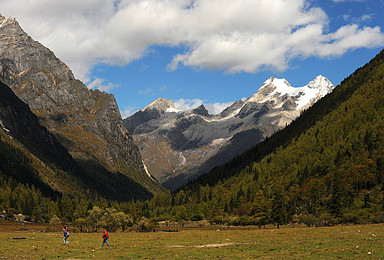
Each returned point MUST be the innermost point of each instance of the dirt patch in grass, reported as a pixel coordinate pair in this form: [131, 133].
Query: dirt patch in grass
[204, 246]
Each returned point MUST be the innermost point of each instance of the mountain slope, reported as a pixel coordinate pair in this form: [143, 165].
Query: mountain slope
[87, 122]
[325, 167]
[33, 156]
[21, 138]
[177, 146]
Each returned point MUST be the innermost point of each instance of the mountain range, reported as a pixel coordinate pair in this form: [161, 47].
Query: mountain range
[178, 146]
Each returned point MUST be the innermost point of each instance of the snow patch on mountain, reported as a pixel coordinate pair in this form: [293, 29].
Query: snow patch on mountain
[173, 110]
[220, 141]
[147, 172]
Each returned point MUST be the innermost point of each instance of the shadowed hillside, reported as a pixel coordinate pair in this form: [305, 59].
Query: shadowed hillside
[30, 154]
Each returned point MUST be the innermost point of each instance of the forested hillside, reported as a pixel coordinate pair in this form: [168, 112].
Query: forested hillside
[36, 170]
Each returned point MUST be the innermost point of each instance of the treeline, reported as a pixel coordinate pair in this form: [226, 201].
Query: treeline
[22, 191]
[17, 198]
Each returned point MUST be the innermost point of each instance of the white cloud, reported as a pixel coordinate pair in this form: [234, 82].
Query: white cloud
[143, 67]
[99, 84]
[147, 91]
[357, 20]
[349, 37]
[216, 108]
[128, 111]
[189, 104]
[346, 17]
[235, 36]
[340, 1]
[184, 105]
[153, 92]
[366, 17]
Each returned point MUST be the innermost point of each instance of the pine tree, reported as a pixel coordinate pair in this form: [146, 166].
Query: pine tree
[278, 215]
[335, 203]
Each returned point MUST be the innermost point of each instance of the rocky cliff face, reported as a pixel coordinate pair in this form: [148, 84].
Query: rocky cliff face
[21, 128]
[87, 122]
[177, 146]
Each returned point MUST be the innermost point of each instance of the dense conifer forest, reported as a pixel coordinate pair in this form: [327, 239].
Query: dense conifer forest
[326, 167]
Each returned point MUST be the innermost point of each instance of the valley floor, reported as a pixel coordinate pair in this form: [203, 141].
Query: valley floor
[345, 242]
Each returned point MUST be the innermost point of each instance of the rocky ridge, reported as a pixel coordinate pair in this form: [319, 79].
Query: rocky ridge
[177, 146]
[87, 122]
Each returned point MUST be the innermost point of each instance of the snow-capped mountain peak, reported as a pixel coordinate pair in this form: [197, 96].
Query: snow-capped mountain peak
[277, 91]
[270, 88]
[279, 83]
[313, 91]
[322, 84]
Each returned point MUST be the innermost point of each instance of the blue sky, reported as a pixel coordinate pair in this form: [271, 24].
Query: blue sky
[210, 52]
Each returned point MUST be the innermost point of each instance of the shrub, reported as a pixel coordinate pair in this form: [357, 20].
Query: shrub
[144, 225]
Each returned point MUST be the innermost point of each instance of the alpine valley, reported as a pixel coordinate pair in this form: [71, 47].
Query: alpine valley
[310, 155]
[178, 146]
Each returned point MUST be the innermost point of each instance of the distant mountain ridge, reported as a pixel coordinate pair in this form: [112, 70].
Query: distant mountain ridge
[177, 146]
[87, 122]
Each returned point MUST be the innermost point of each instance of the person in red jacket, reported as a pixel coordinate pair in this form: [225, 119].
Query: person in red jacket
[105, 238]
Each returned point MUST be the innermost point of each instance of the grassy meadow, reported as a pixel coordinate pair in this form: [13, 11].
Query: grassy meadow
[345, 242]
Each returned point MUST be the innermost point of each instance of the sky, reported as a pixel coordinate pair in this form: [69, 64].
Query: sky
[210, 52]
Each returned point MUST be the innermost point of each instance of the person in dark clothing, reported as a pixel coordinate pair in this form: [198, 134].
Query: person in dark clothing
[105, 238]
[66, 235]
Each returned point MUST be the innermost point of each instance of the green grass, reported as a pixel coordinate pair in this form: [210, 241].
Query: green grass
[345, 242]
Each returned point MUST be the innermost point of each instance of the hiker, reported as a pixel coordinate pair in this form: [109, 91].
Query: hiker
[66, 235]
[105, 238]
